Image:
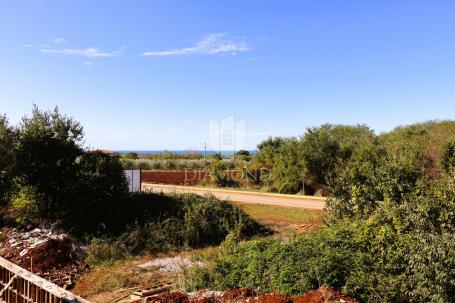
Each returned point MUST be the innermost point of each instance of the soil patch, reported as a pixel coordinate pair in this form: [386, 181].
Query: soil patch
[321, 295]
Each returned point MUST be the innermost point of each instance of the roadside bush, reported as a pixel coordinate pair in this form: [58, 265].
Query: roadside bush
[218, 173]
[315, 160]
[312, 161]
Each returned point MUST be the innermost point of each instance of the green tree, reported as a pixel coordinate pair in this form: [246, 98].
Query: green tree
[218, 173]
[48, 145]
[101, 179]
[242, 155]
[7, 145]
[420, 145]
[286, 173]
[266, 158]
[326, 149]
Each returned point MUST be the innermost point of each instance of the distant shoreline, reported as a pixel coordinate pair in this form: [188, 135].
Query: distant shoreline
[178, 152]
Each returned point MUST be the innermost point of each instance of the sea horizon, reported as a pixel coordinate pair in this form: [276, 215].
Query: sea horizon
[179, 152]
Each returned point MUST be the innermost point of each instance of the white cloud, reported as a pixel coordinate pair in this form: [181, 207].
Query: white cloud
[59, 40]
[88, 52]
[212, 44]
[28, 45]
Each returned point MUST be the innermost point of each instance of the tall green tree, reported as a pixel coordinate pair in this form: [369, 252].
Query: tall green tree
[325, 150]
[101, 179]
[278, 160]
[7, 144]
[48, 145]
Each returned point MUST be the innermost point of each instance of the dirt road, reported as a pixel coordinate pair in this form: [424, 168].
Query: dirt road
[243, 196]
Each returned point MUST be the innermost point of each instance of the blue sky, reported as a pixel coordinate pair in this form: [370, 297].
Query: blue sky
[150, 74]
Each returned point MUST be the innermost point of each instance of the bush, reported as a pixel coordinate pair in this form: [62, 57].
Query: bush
[288, 267]
[27, 205]
[169, 223]
[403, 251]
[131, 156]
[218, 173]
[448, 156]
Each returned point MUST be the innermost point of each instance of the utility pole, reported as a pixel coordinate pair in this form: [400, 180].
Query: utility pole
[205, 154]
[234, 140]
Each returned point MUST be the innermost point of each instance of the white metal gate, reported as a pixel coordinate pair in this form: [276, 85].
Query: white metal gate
[134, 179]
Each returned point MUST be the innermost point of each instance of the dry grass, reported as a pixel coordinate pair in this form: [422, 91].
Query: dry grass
[283, 219]
[110, 281]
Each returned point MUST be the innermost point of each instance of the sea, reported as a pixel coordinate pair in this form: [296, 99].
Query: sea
[179, 152]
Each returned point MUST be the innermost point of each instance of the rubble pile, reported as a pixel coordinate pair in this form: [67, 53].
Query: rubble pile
[171, 264]
[53, 256]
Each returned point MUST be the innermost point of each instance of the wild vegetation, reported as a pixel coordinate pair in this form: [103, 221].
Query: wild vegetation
[49, 179]
[157, 223]
[389, 229]
[387, 236]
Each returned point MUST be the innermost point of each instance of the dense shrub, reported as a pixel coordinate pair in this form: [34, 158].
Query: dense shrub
[289, 266]
[448, 156]
[101, 179]
[218, 173]
[7, 142]
[421, 145]
[401, 252]
[169, 223]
